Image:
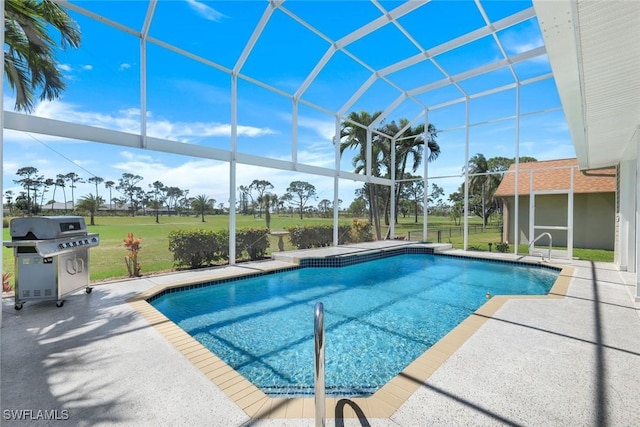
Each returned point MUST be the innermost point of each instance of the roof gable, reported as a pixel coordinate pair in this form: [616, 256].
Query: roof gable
[554, 175]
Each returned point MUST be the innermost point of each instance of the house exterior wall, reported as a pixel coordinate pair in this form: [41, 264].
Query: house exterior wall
[593, 219]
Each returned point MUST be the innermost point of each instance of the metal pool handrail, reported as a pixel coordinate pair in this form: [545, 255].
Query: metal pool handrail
[538, 238]
[318, 326]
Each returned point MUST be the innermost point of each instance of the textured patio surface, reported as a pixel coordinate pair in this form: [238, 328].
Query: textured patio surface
[572, 360]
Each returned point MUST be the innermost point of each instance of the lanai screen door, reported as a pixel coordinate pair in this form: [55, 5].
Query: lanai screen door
[551, 211]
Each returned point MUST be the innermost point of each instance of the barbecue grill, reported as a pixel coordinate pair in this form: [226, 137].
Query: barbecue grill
[51, 257]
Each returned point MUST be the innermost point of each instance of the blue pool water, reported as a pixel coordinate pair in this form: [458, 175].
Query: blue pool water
[379, 316]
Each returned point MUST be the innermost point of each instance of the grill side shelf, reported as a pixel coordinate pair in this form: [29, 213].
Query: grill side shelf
[54, 247]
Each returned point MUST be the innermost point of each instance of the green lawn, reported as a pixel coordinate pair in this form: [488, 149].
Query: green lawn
[107, 260]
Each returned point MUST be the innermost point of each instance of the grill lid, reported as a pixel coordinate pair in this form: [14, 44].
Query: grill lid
[47, 227]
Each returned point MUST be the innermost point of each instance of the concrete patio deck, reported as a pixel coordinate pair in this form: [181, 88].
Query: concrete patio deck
[573, 360]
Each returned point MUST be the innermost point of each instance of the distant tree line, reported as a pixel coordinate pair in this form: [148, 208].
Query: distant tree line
[131, 198]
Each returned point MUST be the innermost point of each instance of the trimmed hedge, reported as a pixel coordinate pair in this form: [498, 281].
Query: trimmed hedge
[319, 236]
[200, 248]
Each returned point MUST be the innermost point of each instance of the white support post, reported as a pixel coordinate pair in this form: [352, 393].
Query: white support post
[466, 175]
[532, 208]
[570, 216]
[294, 132]
[232, 169]
[425, 214]
[516, 200]
[143, 72]
[1, 136]
[143, 92]
[336, 183]
[636, 249]
[392, 190]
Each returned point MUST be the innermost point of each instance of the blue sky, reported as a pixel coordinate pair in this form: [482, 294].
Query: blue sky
[189, 102]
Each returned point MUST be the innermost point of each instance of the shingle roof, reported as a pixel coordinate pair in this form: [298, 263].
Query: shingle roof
[557, 177]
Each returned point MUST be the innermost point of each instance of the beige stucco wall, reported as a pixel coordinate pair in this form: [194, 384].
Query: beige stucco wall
[593, 219]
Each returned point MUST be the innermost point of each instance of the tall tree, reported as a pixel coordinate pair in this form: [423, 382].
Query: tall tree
[74, 179]
[8, 195]
[128, 185]
[96, 180]
[353, 136]
[46, 184]
[29, 182]
[260, 186]
[302, 192]
[158, 197]
[267, 200]
[410, 147]
[245, 195]
[61, 183]
[109, 185]
[173, 195]
[30, 60]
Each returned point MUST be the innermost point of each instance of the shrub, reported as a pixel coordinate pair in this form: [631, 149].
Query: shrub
[361, 231]
[200, 248]
[195, 248]
[502, 247]
[254, 241]
[5, 223]
[319, 236]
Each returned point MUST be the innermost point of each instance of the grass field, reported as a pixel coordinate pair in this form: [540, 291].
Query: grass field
[107, 260]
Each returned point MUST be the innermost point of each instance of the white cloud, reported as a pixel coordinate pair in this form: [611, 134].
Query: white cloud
[65, 67]
[124, 66]
[87, 67]
[326, 129]
[127, 120]
[205, 11]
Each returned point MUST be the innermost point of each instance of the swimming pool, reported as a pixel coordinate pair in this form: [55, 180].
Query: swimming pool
[379, 316]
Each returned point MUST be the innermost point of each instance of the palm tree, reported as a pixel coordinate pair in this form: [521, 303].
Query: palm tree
[29, 56]
[267, 200]
[200, 204]
[355, 137]
[90, 204]
[410, 144]
[482, 182]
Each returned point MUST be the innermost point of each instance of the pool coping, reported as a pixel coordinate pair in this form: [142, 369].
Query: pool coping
[382, 404]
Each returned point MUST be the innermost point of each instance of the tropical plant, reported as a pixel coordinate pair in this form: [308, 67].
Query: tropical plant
[90, 204]
[201, 204]
[30, 52]
[131, 260]
[267, 200]
[354, 135]
[485, 176]
[7, 286]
